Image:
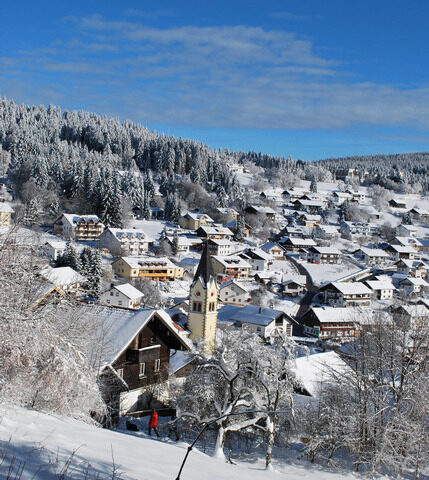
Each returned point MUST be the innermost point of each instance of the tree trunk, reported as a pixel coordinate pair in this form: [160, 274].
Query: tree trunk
[270, 443]
[219, 443]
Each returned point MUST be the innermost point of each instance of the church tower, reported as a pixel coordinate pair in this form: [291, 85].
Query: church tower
[203, 298]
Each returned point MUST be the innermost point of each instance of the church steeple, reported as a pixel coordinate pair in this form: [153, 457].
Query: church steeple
[203, 302]
[205, 267]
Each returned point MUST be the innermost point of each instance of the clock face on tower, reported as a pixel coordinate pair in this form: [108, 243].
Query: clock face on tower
[198, 294]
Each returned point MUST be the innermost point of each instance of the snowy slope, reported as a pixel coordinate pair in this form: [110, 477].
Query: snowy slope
[38, 438]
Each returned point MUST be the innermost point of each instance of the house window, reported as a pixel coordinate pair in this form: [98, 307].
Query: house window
[157, 365]
[197, 307]
[152, 340]
[111, 294]
[120, 372]
[119, 302]
[142, 369]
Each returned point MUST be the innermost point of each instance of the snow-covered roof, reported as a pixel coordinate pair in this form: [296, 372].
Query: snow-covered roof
[402, 248]
[415, 310]
[338, 314]
[407, 241]
[212, 230]
[199, 216]
[148, 262]
[308, 242]
[221, 242]
[129, 291]
[178, 359]
[319, 370]
[326, 250]
[232, 261]
[328, 228]
[416, 281]
[299, 279]
[380, 285]
[374, 252]
[74, 219]
[56, 244]
[350, 288]
[256, 315]
[235, 283]
[314, 218]
[267, 246]
[6, 208]
[117, 328]
[411, 263]
[131, 233]
[61, 276]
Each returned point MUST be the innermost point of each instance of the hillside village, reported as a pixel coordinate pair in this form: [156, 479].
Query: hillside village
[319, 264]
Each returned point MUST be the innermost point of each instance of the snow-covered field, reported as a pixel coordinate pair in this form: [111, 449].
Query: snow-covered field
[43, 444]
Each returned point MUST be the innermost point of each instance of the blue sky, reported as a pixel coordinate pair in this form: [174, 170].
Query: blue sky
[309, 79]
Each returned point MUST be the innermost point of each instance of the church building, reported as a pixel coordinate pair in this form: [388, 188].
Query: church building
[203, 302]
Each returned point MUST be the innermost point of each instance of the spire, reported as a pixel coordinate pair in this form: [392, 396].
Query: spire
[205, 267]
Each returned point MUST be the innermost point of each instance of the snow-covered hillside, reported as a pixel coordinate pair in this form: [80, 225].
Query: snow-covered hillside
[46, 443]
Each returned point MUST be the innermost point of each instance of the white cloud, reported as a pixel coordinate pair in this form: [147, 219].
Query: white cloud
[230, 76]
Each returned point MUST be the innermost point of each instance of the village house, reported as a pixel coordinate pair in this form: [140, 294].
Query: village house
[231, 267]
[233, 293]
[323, 255]
[263, 321]
[331, 322]
[258, 259]
[6, 212]
[78, 227]
[262, 211]
[228, 212]
[407, 230]
[295, 244]
[424, 246]
[415, 315]
[185, 242]
[383, 289]
[412, 268]
[372, 256]
[151, 268]
[293, 287]
[122, 296]
[414, 286]
[326, 232]
[138, 346]
[310, 206]
[54, 249]
[220, 247]
[65, 278]
[193, 221]
[273, 249]
[293, 194]
[396, 203]
[341, 197]
[357, 195]
[214, 232]
[346, 294]
[407, 242]
[128, 242]
[399, 252]
[420, 214]
[360, 228]
[309, 221]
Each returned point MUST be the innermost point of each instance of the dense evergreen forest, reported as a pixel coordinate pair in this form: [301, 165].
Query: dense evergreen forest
[61, 160]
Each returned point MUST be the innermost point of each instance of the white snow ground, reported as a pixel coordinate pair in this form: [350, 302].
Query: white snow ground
[45, 442]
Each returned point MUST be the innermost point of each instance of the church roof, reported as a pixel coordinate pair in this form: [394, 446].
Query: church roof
[205, 268]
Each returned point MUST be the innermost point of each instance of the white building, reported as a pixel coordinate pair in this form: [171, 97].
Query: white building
[413, 286]
[383, 289]
[373, 256]
[129, 242]
[63, 277]
[122, 296]
[233, 293]
[346, 294]
[323, 255]
[273, 249]
[79, 227]
[54, 249]
[220, 246]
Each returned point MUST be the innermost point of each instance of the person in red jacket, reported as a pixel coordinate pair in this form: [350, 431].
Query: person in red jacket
[153, 422]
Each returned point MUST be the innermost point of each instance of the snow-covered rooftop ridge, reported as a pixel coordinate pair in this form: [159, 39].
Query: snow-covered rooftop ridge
[351, 288]
[60, 276]
[339, 314]
[256, 315]
[232, 282]
[129, 291]
[75, 218]
[315, 371]
[232, 261]
[326, 250]
[128, 232]
[152, 262]
[374, 252]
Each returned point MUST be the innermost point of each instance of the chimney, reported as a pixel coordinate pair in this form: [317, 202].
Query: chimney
[260, 309]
